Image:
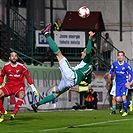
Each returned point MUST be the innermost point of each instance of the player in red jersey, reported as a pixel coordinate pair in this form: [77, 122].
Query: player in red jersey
[15, 73]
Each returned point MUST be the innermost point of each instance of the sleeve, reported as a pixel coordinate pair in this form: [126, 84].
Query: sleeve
[26, 74]
[2, 75]
[88, 51]
[111, 69]
[129, 70]
[89, 45]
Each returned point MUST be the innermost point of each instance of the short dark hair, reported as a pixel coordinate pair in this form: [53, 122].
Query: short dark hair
[120, 52]
[11, 53]
[106, 33]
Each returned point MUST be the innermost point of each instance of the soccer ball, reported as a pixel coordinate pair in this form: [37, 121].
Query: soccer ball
[84, 12]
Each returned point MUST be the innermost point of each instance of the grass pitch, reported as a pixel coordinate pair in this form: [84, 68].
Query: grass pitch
[96, 121]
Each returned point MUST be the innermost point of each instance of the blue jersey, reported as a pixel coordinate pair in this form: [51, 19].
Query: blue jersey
[121, 71]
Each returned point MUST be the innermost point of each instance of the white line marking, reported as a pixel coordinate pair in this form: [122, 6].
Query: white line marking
[82, 125]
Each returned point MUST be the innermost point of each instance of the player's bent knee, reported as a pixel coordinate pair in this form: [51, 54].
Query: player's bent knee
[57, 94]
[59, 56]
[1, 93]
[21, 95]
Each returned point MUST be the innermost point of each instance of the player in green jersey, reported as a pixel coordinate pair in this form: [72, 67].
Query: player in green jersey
[71, 76]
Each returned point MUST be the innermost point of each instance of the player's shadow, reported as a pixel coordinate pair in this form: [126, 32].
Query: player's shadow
[22, 120]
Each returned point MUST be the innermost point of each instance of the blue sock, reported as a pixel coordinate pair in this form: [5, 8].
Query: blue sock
[126, 104]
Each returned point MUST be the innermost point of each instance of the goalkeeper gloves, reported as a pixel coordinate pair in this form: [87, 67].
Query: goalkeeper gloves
[34, 90]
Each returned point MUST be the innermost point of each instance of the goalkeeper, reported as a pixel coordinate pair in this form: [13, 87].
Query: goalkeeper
[70, 76]
[15, 73]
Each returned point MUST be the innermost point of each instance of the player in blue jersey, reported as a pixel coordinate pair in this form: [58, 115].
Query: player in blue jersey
[122, 69]
[70, 76]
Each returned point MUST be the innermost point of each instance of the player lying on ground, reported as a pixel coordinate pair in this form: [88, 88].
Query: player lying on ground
[70, 76]
[15, 73]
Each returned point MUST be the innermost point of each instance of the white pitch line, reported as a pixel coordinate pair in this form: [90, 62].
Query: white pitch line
[82, 125]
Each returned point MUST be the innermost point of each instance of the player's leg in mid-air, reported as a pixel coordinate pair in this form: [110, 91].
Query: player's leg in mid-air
[62, 87]
[66, 70]
[66, 82]
[53, 46]
[67, 73]
[59, 55]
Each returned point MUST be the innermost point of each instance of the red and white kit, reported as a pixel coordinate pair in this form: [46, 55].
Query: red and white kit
[15, 78]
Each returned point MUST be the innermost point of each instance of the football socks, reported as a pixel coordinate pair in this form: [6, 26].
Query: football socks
[46, 99]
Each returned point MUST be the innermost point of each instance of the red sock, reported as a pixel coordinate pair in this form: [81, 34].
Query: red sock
[1, 107]
[17, 106]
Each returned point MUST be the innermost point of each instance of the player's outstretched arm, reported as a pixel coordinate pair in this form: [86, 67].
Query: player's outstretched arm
[2, 74]
[89, 44]
[91, 34]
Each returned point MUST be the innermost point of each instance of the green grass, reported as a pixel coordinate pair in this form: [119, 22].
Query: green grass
[96, 121]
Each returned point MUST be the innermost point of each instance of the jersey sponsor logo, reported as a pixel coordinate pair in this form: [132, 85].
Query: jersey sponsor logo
[120, 72]
[16, 75]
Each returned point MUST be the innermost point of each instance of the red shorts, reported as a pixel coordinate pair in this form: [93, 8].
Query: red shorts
[8, 90]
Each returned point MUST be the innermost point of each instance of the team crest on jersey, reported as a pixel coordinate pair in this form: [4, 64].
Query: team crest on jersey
[123, 68]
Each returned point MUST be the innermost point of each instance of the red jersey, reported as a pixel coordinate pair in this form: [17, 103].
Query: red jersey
[15, 74]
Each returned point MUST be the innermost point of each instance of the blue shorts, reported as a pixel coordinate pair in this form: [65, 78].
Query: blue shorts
[121, 90]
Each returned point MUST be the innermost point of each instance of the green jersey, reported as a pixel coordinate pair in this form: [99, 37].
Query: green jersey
[84, 69]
